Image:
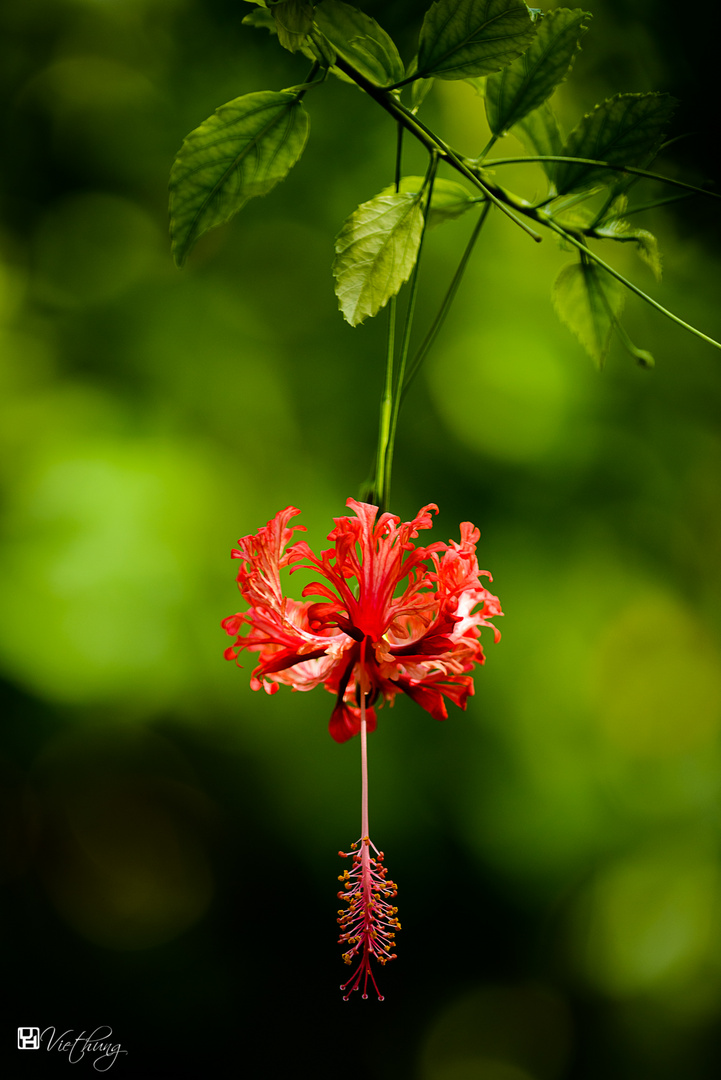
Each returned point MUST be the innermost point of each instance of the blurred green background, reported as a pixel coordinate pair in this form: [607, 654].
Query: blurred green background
[169, 838]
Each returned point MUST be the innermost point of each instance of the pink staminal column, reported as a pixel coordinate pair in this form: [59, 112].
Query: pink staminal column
[369, 923]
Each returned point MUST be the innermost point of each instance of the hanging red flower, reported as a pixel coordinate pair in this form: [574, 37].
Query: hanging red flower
[394, 618]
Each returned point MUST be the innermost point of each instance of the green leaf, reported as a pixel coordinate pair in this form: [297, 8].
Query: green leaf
[361, 41]
[317, 47]
[627, 129]
[419, 90]
[646, 243]
[293, 20]
[479, 85]
[375, 253]
[419, 87]
[526, 83]
[541, 133]
[449, 200]
[461, 38]
[241, 151]
[589, 302]
[262, 19]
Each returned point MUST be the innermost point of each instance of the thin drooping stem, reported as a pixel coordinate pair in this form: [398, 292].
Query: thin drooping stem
[365, 848]
[399, 156]
[386, 411]
[364, 762]
[446, 303]
[650, 205]
[642, 356]
[560, 159]
[487, 148]
[629, 284]
[310, 81]
[405, 344]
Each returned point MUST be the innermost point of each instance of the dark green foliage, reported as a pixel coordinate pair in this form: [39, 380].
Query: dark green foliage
[628, 129]
[541, 132]
[529, 81]
[361, 41]
[461, 38]
[293, 21]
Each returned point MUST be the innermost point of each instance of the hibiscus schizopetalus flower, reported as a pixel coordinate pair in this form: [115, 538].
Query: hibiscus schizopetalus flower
[417, 611]
[394, 618]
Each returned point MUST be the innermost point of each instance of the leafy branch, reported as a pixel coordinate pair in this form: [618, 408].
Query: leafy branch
[433, 143]
[515, 57]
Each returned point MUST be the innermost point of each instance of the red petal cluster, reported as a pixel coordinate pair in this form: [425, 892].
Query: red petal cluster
[394, 618]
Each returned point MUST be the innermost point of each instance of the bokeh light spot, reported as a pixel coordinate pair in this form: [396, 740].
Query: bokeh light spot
[94, 563]
[510, 1032]
[91, 248]
[530, 388]
[658, 678]
[650, 921]
[124, 857]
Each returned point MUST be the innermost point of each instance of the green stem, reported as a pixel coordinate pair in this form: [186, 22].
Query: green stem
[405, 343]
[641, 356]
[489, 146]
[494, 162]
[399, 157]
[384, 426]
[650, 206]
[430, 140]
[309, 81]
[448, 299]
[611, 198]
[629, 284]
[607, 204]
[386, 411]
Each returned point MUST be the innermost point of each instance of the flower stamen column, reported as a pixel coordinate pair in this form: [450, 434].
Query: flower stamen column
[369, 924]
